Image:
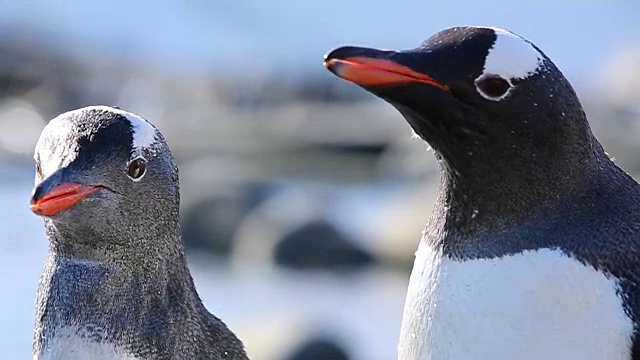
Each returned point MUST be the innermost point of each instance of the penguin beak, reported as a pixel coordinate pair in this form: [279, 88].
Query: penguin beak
[49, 199]
[370, 67]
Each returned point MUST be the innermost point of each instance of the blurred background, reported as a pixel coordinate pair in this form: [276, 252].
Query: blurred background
[303, 196]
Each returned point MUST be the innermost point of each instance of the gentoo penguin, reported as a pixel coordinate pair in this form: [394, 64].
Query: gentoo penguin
[116, 284]
[532, 250]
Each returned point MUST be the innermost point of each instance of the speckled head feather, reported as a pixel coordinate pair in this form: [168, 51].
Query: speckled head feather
[116, 283]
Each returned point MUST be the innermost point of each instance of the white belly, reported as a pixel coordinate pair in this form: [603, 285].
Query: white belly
[534, 305]
[67, 345]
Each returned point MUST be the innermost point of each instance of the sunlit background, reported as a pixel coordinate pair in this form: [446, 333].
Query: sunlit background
[303, 196]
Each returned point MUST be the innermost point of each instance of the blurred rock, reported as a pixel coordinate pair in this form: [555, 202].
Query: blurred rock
[279, 89]
[210, 223]
[37, 69]
[24, 64]
[319, 245]
[320, 348]
[293, 229]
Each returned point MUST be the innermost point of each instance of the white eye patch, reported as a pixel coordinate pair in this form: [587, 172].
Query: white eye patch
[144, 134]
[511, 57]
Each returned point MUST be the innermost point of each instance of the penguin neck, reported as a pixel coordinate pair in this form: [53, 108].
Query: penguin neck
[101, 296]
[125, 266]
[156, 243]
[493, 199]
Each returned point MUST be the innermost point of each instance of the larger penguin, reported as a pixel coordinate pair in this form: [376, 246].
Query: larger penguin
[532, 250]
[116, 283]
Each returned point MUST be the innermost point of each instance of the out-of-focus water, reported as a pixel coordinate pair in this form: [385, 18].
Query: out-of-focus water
[268, 308]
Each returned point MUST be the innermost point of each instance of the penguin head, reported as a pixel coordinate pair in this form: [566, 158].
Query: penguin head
[104, 173]
[478, 95]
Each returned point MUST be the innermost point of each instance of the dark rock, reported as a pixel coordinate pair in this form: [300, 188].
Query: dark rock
[319, 245]
[320, 349]
[210, 223]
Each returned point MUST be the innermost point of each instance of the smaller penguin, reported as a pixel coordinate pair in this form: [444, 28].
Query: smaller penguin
[116, 284]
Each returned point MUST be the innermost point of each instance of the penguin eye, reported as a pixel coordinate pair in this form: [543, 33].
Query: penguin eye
[492, 87]
[137, 168]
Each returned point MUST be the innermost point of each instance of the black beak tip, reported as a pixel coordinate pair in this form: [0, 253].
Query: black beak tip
[37, 193]
[345, 52]
[327, 57]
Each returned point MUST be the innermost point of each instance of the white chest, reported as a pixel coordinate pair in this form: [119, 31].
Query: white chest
[534, 305]
[67, 345]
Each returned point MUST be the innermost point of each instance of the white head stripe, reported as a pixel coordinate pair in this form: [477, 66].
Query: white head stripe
[144, 134]
[511, 57]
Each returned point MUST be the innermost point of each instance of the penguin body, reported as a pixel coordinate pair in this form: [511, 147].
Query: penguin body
[532, 250]
[515, 307]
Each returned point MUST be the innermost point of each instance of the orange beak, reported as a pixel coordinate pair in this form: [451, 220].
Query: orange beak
[61, 198]
[367, 71]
